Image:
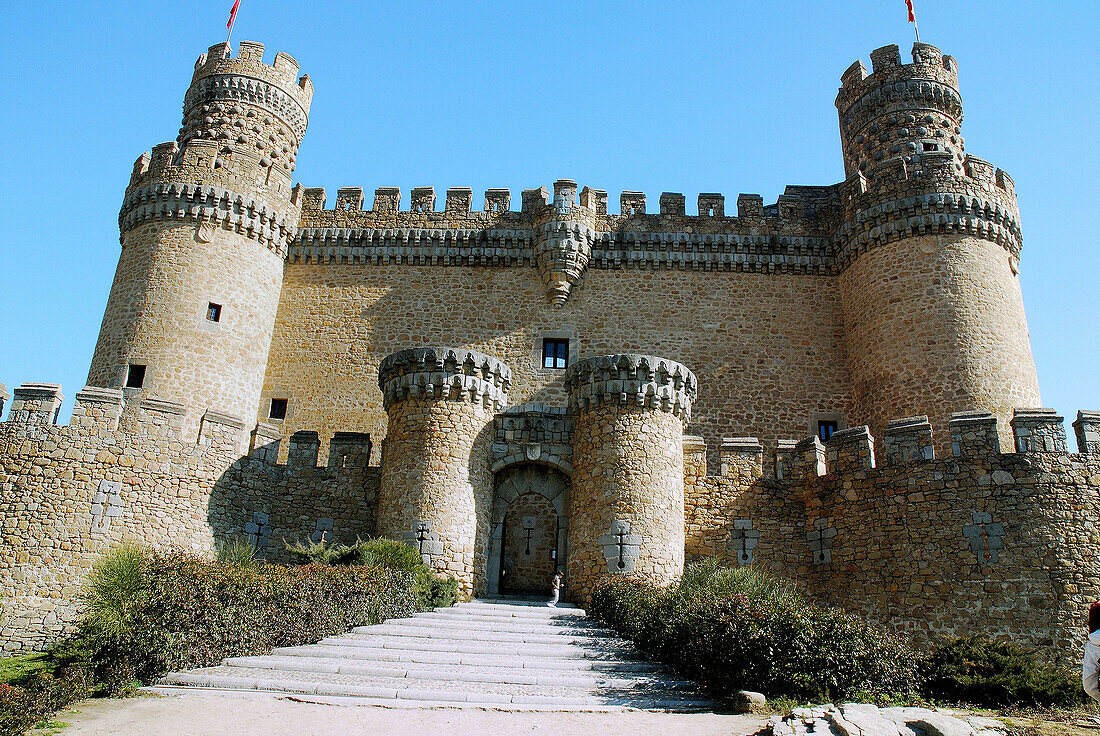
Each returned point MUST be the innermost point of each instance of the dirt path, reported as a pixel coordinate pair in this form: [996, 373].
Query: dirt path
[203, 714]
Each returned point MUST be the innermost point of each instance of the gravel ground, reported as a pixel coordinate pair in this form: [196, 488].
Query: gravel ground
[230, 714]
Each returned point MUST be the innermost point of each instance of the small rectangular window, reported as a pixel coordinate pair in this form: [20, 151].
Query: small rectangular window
[135, 376]
[931, 147]
[555, 353]
[278, 409]
[214, 312]
[825, 429]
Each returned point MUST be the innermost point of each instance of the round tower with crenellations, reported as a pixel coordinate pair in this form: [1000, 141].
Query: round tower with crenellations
[205, 225]
[437, 479]
[928, 251]
[627, 499]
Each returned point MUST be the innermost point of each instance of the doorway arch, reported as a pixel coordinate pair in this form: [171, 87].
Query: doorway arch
[530, 521]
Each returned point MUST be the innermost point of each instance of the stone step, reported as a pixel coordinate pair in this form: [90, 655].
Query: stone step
[510, 654]
[526, 611]
[430, 691]
[495, 623]
[464, 646]
[471, 635]
[484, 674]
[386, 656]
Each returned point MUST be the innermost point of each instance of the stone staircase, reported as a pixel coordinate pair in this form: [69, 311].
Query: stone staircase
[498, 654]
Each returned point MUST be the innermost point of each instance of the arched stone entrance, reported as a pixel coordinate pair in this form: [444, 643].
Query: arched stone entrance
[529, 527]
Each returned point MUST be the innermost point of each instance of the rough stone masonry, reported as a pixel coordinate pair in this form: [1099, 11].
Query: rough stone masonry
[837, 387]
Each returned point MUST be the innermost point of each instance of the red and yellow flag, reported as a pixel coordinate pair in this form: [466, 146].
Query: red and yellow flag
[908, 4]
[237, 4]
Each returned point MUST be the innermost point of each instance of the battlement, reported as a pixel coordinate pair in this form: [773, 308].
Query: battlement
[796, 204]
[907, 442]
[283, 71]
[886, 67]
[632, 380]
[444, 373]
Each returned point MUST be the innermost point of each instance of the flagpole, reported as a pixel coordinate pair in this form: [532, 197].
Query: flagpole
[232, 20]
[917, 30]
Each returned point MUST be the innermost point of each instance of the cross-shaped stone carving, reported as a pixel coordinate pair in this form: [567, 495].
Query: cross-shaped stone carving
[106, 504]
[986, 538]
[621, 548]
[426, 542]
[743, 540]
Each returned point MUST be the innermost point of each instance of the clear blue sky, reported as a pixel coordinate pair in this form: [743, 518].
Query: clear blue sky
[689, 96]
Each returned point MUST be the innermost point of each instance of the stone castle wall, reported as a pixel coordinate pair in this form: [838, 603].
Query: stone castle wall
[769, 349]
[977, 541]
[70, 493]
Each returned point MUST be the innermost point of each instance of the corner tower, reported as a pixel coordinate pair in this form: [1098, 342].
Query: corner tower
[928, 251]
[205, 224]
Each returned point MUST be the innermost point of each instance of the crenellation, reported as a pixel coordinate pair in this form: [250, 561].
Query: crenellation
[422, 199]
[632, 203]
[1038, 430]
[796, 313]
[1087, 428]
[595, 200]
[673, 203]
[750, 206]
[350, 449]
[264, 443]
[535, 200]
[974, 435]
[741, 457]
[98, 408]
[908, 440]
[303, 448]
[885, 58]
[807, 459]
[387, 199]
[850, 450]
[498, 201]
[712, 204]
[349, 198]
[459, 200]
[36, 403]
[221, 431]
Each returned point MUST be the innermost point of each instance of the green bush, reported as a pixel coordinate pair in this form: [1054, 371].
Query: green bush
[431, 590]
[239, 552]
[29, 701]
[738, 629]
[981, 672]
[153, 612]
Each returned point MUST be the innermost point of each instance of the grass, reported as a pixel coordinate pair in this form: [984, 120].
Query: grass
[13, 669]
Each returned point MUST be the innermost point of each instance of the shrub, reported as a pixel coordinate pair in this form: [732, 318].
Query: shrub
[239, 552]
[739, 629]
[30, 701]
[431, 590]
[189, 612]
[981, 672]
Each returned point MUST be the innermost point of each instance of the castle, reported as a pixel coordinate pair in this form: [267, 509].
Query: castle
[563, 388]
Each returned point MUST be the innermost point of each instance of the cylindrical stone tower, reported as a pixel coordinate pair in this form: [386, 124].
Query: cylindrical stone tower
[205, 225]
[627, 498]
[928, 251]
[437, 479]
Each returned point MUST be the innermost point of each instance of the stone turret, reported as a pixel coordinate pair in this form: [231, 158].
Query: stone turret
[628, 468]
[934, 320]
[205, 225]
[437, 480]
